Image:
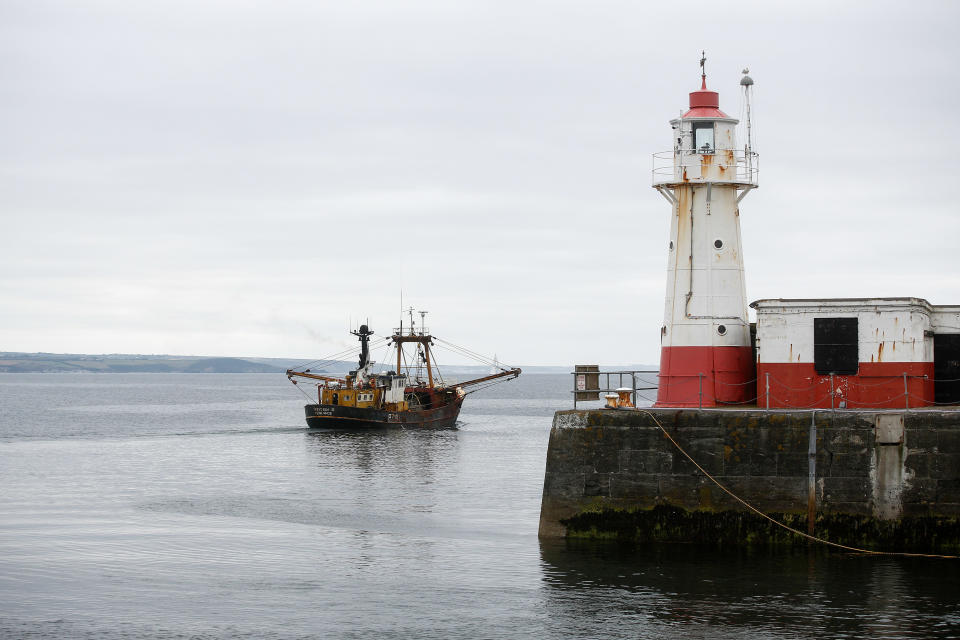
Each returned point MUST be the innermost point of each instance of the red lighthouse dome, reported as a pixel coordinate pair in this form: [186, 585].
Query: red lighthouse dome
[704, 103]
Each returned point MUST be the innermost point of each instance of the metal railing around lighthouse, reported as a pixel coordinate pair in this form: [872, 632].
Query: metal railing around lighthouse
[668, 166]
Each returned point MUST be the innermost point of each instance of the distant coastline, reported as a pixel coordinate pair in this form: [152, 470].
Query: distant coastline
[19, 362]
[12, 362]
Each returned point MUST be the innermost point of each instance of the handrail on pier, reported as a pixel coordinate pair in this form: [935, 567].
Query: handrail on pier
[581, 379]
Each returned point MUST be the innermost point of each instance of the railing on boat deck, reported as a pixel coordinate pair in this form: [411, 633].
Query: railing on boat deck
[584, 376]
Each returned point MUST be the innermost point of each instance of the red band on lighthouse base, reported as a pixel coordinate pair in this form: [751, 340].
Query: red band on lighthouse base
[706, 376]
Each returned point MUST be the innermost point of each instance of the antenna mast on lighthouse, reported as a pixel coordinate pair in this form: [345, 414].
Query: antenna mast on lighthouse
[747, 83]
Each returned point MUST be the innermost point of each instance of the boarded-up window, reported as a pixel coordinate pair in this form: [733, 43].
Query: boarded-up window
[835, 348]
[946, 368]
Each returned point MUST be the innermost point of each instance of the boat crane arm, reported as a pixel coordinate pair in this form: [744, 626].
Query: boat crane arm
[511, 372]
[300, 374]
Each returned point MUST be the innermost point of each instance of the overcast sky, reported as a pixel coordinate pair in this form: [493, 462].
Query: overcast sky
[246, 178]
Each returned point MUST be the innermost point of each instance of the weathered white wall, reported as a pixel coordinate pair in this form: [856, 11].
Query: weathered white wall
[702, 216]
[946, 319]
[889, 329]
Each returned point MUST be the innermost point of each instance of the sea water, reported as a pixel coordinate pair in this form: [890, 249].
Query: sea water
[200, 506]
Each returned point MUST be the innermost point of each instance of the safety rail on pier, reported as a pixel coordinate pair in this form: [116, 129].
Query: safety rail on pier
[625, 379]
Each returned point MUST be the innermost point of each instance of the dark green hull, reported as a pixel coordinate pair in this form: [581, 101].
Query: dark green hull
[334, 416]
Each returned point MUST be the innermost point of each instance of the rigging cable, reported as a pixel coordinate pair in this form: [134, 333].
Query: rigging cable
[472, 354]
[465, 353]
[337, 358]
[777, 522]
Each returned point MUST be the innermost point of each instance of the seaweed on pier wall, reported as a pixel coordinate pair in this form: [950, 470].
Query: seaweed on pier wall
[665, 523]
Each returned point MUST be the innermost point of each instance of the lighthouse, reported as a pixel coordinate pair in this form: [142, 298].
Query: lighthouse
[706, 354]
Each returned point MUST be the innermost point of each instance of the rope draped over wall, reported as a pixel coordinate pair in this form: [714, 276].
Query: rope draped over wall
[777, 522]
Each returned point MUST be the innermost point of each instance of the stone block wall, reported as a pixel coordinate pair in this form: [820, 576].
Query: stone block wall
[613, 473]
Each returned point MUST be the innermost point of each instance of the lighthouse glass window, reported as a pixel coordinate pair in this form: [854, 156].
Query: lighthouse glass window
[703, 137]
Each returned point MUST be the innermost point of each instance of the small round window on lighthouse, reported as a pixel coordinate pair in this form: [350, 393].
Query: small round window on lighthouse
[718, 243]
[722, 329]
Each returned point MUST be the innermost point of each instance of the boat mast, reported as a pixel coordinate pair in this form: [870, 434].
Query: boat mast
[422, 338]
[364, 336]
[426, 356]
[426, 348]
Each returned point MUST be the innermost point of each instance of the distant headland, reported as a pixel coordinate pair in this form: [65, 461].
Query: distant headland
[19, 362]
[13, 362]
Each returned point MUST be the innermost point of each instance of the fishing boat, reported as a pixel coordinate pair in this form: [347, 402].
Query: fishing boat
[411, 395]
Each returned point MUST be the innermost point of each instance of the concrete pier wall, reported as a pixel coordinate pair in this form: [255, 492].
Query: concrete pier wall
[883, 480]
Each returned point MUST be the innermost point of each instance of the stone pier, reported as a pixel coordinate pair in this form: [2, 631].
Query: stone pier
[882, 480]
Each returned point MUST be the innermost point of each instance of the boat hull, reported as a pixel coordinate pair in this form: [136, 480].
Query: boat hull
[334, 416]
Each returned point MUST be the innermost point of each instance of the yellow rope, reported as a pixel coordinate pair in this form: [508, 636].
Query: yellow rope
[780, 524]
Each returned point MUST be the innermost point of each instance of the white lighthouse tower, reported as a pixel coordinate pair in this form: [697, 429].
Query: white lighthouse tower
[706, 356]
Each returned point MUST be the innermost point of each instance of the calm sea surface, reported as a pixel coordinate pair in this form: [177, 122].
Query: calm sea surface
[199, 506]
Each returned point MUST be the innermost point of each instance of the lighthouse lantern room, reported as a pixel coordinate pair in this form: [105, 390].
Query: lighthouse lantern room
[706, 354]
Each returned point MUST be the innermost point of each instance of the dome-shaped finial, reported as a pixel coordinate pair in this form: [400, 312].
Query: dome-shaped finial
[746, 80]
